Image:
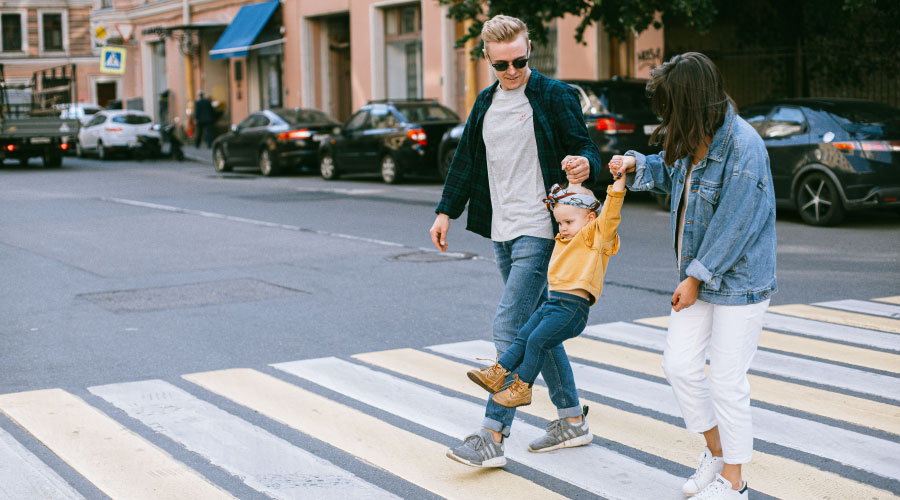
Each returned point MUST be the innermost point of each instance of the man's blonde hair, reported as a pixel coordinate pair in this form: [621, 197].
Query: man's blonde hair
[502, 28]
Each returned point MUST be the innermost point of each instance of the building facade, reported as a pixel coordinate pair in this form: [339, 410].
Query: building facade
[37, 35]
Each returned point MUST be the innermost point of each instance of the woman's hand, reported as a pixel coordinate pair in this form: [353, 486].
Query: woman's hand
[621, 165]
[686, 293]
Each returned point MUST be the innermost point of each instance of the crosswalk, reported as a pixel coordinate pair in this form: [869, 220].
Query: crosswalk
[826, 410]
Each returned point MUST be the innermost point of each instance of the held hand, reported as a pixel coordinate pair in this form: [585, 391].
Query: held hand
[686, 293]
[577, 168]
[621, 165]
[439, 231]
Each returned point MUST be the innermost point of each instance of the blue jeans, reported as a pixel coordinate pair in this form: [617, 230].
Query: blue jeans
[523, 266]
[560, 318]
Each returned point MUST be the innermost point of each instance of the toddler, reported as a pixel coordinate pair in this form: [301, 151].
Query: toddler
[583, 247]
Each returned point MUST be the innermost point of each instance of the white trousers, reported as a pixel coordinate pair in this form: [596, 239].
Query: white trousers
[729, 336]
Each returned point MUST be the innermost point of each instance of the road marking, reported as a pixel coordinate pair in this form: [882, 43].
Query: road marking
[830, 331]
[839, 317]
[850, 448]
[890, 300]
[863, 306]
[593, 468]
[402, 453]
[770, 474]
[23, 475]
[263, 461]
[765, 362]
[865, 358]
[119, 462]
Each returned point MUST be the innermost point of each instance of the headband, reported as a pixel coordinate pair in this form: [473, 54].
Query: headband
[566, 197]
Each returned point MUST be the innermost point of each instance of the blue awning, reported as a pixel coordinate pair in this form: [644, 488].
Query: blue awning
[240, 35]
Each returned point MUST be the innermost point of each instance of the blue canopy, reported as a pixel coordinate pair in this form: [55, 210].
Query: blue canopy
[242, 32]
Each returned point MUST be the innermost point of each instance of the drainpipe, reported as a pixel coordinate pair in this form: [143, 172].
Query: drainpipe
[188, 71]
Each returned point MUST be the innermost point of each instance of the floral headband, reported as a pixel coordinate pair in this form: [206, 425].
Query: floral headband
[559, 194]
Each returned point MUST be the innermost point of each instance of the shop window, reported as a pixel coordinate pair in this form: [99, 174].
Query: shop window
[403, 51]
[11, 27]
[53, 32]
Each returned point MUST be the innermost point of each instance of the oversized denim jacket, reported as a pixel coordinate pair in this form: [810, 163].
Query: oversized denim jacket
[729, 222]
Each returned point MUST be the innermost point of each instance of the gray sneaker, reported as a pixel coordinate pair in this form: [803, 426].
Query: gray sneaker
[479, 450]
[562, 434]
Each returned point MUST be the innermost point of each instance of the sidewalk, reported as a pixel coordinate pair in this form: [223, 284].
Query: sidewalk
[202, 154]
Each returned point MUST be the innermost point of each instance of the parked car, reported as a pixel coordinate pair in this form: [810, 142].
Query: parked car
[831, 156]
[395, 137]
[81, 111]
[116, 131]
[273, 140]
[617, 114]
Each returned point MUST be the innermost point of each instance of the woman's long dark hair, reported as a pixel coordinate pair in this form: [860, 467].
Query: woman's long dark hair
[688, 94]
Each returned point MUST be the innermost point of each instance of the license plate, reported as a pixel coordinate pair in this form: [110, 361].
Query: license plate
[648, 129]
[40, 140]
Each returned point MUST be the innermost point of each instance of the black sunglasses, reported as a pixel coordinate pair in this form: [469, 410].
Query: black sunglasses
[504, 65]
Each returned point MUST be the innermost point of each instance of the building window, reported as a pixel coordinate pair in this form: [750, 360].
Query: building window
[106, 4]
[52, 35]
[403, 51]
[11, 26]
[544, 56]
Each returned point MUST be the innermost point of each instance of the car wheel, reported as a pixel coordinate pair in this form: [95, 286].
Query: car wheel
[79, 149]
[219, 162]
[327, 169]
[102, 153]
[266, 167]
[818, 201]
[390, 173]
[446, 160]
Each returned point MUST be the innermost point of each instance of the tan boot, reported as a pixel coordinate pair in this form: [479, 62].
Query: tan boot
[490, 378]
[517, 393]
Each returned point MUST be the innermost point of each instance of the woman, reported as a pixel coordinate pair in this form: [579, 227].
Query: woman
[716, 168]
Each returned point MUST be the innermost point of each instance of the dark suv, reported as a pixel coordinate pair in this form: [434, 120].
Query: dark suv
[617, 114]
[394, 137]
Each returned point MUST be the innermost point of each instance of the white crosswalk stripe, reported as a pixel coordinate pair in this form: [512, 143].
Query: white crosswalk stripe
[267, 464]
[824, 418]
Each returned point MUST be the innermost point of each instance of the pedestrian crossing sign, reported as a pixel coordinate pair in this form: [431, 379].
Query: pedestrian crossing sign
[112, 60]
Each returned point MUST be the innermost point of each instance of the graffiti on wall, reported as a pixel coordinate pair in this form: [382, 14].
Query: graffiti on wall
[649, 58]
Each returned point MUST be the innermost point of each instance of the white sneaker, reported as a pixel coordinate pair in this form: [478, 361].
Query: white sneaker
[720, 489]
[706, 473]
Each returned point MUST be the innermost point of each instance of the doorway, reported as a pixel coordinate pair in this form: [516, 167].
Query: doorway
[106, 93]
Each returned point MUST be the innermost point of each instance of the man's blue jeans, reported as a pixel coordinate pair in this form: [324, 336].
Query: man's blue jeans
[523, 266]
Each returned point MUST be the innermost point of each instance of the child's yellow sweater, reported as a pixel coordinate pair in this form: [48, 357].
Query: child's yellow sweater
[580, 261]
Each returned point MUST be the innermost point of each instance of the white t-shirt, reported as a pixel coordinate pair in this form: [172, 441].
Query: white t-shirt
[514, 172]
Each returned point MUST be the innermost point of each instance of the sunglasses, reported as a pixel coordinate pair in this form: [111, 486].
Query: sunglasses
[504, 65]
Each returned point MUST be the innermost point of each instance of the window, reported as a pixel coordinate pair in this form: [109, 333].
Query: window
[357, 121]
[382, 118]
[543, 56]
[756, 117]
[11, 26]
[106, 4]
[52, 33]
[785, 122]
[427, 113]
[131, 119]
[403, 51]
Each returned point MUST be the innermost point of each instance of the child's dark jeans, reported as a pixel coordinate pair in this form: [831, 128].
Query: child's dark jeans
[563, 316]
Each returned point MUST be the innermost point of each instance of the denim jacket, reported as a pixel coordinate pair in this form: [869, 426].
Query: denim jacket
[728, 240]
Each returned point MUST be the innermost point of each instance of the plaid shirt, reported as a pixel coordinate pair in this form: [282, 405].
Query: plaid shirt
[559, 130]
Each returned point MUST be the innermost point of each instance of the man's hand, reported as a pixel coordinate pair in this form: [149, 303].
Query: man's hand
[439, 231]
[620, 164]
[577, 168]
[686, 293]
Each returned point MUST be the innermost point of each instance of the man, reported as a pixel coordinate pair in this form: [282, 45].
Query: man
[517, 143]
[204, 116]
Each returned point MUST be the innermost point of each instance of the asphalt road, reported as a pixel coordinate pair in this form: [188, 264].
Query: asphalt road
[123, 270]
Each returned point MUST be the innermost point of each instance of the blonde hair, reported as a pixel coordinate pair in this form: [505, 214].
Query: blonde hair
[502, 28]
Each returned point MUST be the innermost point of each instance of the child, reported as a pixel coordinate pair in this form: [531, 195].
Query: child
[583, 247]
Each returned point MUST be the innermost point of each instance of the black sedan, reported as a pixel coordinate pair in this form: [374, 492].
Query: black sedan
[273, 140]
[830, 156]
[393, 137]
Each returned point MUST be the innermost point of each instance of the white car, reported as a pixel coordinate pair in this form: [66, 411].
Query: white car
[118, 130]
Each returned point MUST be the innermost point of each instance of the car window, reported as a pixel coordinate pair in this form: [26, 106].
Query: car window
[417, 113]
[304, 116]
[131, 119]
[756, 117]
[590, 102]
[358, 120]
[628, 100]
[97, 120]
[785, 121]
[247, 122]
[867, 117]
[381, 117]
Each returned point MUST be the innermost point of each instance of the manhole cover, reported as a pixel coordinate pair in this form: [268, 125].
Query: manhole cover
[185, 296]
[430, 257]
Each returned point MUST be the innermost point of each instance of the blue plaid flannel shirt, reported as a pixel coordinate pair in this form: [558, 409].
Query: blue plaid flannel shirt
[559, 130]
